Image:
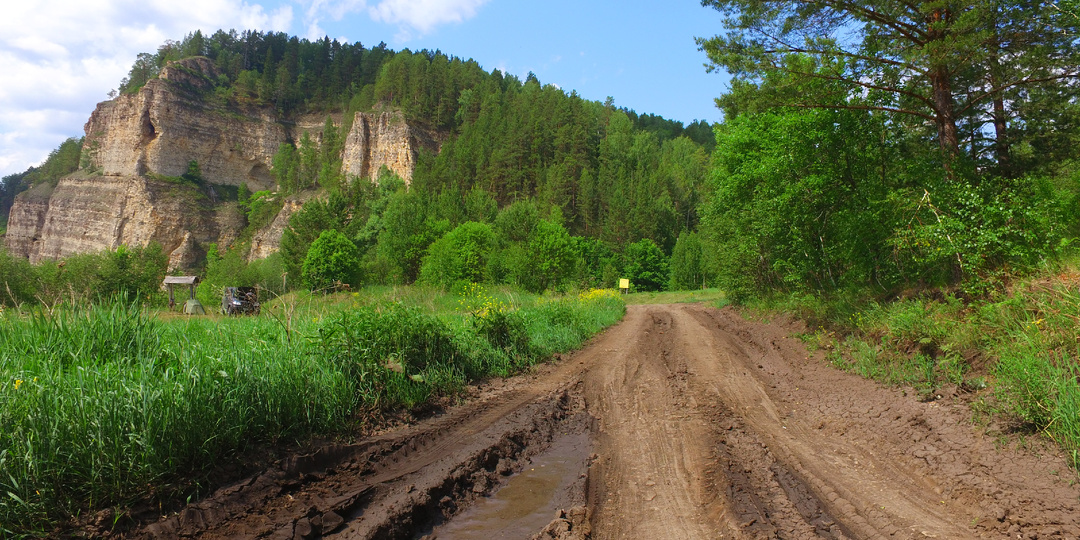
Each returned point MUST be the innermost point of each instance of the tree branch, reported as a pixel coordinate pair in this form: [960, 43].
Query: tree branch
[861, 84]
[1025, 81]
[860, 108]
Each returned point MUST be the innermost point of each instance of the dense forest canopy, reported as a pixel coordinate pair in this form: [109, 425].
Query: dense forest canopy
[888, 144]
[876, 146]
[564, 184]
[975, 73]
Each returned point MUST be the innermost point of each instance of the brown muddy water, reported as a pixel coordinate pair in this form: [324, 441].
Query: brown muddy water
[529, 500]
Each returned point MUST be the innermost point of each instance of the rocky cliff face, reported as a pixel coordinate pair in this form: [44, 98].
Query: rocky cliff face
[171, 121]
[268, 240]
[94, 213]
[134, 140]
[384, 139]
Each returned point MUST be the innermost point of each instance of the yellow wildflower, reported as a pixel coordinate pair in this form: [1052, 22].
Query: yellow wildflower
[18, 383]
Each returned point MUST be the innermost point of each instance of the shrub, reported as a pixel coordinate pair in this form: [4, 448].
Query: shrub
[331, 259]
[461, 255]
[646, 266]
[688, 269]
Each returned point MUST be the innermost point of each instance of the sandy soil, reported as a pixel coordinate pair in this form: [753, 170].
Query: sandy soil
[703, 425]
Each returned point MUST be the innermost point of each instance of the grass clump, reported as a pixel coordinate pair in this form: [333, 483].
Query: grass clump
[1017, 340]
[104, 405]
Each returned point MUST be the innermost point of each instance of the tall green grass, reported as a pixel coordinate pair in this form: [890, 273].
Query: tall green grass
[1020, 343]
[103, 405]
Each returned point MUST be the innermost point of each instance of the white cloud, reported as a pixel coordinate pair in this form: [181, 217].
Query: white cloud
[424, 15]
[61, 57]
[317, 10]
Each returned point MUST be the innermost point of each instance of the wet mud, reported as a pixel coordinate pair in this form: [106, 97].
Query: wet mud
[680, 422]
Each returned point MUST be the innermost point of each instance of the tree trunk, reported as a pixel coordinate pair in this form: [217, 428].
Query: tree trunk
[1001, 138]
[945, 117]
[941, 93]
[1000, 116]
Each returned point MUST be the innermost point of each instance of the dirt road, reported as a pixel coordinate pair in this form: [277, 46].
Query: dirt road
[703, 425]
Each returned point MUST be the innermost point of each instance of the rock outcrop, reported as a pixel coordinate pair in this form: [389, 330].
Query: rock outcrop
[384, 139]
[267, 241]
[135, 141]
[174, 120]
[94, 213]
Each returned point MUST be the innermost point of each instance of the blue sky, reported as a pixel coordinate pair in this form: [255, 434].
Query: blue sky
[61, 57]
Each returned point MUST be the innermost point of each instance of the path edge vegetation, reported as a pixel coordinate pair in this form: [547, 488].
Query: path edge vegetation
[109, 405]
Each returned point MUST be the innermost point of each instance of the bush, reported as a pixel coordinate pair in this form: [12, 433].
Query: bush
[331, 259]
[979, 227]
[688, 268]
[646, 266]
[17, 280]
[461, 255]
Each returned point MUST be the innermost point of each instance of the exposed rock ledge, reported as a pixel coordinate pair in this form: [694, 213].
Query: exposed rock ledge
[93, 213]
[384, 139]
[170, 122]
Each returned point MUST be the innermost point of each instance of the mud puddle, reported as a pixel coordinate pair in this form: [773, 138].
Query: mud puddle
[702, 425]
[525, 504]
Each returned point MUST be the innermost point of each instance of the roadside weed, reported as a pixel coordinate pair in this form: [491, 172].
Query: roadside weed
[100, 404]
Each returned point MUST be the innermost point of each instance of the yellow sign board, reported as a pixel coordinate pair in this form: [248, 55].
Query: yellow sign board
[624, 283]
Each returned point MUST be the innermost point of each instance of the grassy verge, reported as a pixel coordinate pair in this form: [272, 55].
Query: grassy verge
[1016, 349]
[108, 404]
[677, 297]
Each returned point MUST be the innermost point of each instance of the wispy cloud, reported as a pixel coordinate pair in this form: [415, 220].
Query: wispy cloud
[318, 10]
[60, 57]
[413, 17]
[423, 16]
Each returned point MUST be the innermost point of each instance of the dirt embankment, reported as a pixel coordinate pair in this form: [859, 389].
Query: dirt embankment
[703, 425]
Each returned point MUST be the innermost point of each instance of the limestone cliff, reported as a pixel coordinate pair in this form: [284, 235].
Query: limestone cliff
[93, 213]
[268, 240]
[135, 140]
[384, 139]
[171, 121]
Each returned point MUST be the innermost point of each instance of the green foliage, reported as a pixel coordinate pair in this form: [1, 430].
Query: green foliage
[801, 200]
[461, 255]
[100, 402]
[286, 169]
[304, 227]
[193, 173]
[407, 233]
[997, 223]
[262, 208]
[62, 161]
[597, 263]
[229, 268]
[939, 65]
[331, 259]
[18, 280]
[689, 268]
[130, 274]
[309, 164]
[270, 68]
[549, 258]
[223, 269]
[646, 266]
[119, 402]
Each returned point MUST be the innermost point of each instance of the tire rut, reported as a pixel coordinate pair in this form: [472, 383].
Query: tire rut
[705, 425]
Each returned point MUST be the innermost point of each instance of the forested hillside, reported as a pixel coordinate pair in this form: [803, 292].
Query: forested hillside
[907, 145]
[540, 187]
[878, 148]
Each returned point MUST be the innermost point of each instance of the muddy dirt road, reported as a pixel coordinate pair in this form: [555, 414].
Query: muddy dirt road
[702, 425]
